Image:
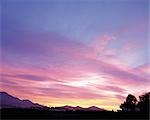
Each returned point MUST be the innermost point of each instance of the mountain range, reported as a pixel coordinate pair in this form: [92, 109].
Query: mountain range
[8, 101]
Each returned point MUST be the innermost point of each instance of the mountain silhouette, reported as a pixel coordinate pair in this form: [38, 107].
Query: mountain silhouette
[8, 101]
[77, 108]
[94, 108]
[72, 108]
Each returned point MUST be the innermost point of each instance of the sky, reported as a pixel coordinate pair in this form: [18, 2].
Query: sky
[75, 52]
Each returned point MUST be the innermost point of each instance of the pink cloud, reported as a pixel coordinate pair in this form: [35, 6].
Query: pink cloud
[130, 46]
[100, 43]
[48, 67]
[143, 70]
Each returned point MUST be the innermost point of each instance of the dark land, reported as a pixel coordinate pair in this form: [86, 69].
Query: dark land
[14, 108]
[18, 113]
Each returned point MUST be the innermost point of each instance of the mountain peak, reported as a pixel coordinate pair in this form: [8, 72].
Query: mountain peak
[94, 108]
[8, 101]
[4, 93]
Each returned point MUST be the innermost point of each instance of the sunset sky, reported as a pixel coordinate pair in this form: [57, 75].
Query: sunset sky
[75, 52]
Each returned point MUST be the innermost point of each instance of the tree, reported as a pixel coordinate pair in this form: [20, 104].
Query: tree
[143, 103]
[130, 104]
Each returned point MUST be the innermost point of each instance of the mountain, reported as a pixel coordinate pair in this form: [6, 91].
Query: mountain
[8, 101]
[77, 108]
[94, 108]
[72, 108]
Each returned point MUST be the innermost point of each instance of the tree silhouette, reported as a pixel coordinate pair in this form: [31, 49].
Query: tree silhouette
[130, 104]
[143, 103]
